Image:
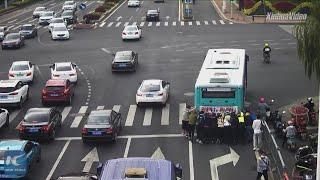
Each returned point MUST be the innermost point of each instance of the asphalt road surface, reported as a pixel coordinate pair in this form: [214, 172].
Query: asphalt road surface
[169, 50]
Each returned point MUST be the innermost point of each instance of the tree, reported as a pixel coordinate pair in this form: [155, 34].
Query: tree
[308, 41]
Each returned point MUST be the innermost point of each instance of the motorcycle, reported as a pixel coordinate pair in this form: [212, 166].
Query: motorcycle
[305, 167]
[302, 152]
[291, 143]
[266, 56]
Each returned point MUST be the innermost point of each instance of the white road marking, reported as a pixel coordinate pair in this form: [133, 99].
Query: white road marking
[158, 24]
[38, 27]
[125, 24]
[126, 150]
[147, 117]
[166, 23]
[190, 23]
[191, 161]
[118, 24]
[114, 11]
[55, 165]
[79, 117]
[206, 22]
[106, 50]
[214, 22]
[16, 27]
[198, 23]
[142, 2]
[52, 4]
[179, 50]
[182, 23]
[39, 72]
[10, 27]
[230, 22]
[85, 2]
[130, 18]
[252, 41]
[32, 20]
[130, 116]
[100, 107]
[149, 24]
[65, 112]
[235, 45]
[13, 115]
[110, 24]
[165, 115]
[174, 23]
[137, 9]
[179, 12]
[91, 157]
[90, 3]
[141, 24]
[285, 39]
[182, 107]
[292, 43]
[13, 21]
[221, 21]
[134, 23]
[116, 108]
[255, 44]
[102, 24]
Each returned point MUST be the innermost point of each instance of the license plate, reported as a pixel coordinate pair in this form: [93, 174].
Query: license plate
[3, 97]
[19, 74]
[54, 95]
[149, 95]
[32, 130]
[122, 65]
[96, 133]
[130, 33]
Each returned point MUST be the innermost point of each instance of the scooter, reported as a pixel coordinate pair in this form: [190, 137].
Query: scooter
[291, 143]
[305, 167]
[302, 152]
[266, 57]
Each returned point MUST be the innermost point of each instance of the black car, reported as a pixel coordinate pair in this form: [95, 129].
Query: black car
[28, 31]
[153, 15]
[125, 61]
[13, 40]
[39, 123]
[69, 16]
[102, 125]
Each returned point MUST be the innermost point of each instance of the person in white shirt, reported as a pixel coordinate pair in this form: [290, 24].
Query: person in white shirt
[257, 133]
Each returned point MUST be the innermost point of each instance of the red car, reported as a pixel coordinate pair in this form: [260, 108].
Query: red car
[57, 90]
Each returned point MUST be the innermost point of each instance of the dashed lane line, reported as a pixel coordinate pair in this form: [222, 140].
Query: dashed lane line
[174, 23]
[141, 24]
[166, 23]
[198, 23]
[147, 117]
[191, 161]
[158, 24]
[214, 22]
[165, 115]
[65, 112]
[110, 24]
[126, 150]
[13, 21]
[78, 118]
[130, 116]
[221, 21]
[190, 23]
[102, 24]
[206, 22]
[182, 23]
[149, 24]
[125, 24]
[118, 24]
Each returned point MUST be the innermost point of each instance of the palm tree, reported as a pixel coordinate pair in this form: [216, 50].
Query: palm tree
[308, 41]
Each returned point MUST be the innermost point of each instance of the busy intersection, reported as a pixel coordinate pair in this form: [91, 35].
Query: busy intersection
[169, 50]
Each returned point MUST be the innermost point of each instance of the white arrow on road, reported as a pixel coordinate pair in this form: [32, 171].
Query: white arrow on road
[167, 17]
[119, 17]
[158, 154]
[91, 157]
[219, 161]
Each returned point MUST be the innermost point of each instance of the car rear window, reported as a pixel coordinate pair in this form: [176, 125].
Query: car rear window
[150, 88]
[55, 88]
[67, 13]
[20, 67]
[36, 117]
[6, 89]
[57, 21]
[68, 3]
[131, 28]
[47, 14]
[122, 57]
[26, 27]
[12, 36]
[59, 29]
[97, 120]
[63, 68]
[40, 8]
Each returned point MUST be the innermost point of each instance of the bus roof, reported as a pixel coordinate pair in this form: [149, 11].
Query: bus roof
[222, 67]
[156, 169]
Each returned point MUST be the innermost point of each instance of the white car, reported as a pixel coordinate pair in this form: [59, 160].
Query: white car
[64, 70]
[69, 5]
[153, 91]
[21, 70]
[56, 22]
[4, 118]
[60, 32]
[46, 17]
[134, 3]
[38, 11]
[13, 93]
[131, 32]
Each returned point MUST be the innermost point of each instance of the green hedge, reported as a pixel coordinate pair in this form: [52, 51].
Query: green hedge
[21, 3]
[8, 9]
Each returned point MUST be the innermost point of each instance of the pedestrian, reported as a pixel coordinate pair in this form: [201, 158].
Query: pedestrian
[257, 133]
[263, 163]
[234, 128]
[220, 129]
[248, 126]
[214, 128]
[262, 108]
[227, 128]
[199, 127]
[192, 123]
[185, 120]
[242, 127]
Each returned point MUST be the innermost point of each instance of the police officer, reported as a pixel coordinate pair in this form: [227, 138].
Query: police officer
[241, 126]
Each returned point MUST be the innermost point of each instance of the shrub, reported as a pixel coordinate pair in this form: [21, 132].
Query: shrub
[253, 9]
[100, 9]
[283, 6]
[92, 16]
[109, 5]
[248, 4]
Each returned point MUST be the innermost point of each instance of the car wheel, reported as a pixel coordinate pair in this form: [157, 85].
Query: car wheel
[52, 135]
[7, 121]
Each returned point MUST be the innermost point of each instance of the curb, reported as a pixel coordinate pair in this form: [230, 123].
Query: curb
[223, 16]
[111, 10]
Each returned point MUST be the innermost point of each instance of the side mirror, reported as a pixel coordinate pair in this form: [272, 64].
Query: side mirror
[178, 170]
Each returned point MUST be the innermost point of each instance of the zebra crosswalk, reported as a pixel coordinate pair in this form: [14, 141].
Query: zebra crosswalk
[163, 23]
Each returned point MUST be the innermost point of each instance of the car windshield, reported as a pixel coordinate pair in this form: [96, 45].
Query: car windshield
[26, 27]
[67, 13]
[47, 14]
[131, 28]
[122, 57]
[12, 36]
[150, 88]
[68, 3]
[153, 12]
[59, 29]
[20, 67]
[6, 89]
[98, 120]
[57, 21]
[40, 8]
[63, 68]
[36, 117]
[55, 88]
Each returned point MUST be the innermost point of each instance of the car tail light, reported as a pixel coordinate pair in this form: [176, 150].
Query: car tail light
[11, 74]
[109, 130]
[139, 94]
[136, 33]
[29, 74]
[14, 93]
[124, 33]
[46, 128]
[72, 74]
[21, 128]
[66, 91]
[56, 75]
[160, 94]
[44, 91]
[84, 131]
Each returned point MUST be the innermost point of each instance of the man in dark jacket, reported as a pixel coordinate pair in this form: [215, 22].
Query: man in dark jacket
[199, 127]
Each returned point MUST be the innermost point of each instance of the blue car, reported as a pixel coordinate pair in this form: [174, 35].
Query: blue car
[17, 157]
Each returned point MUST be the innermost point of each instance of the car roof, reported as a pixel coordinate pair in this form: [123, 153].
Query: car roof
[62, 64]
[124, 53]
[100, 112]
[42, 7]
[48, 12]
[38, 111]
[20, 63]
[152, 81]
[56, 82]
[69, 1]
[130, 26]
[12, 145]
[28, 25]
[153, 11]
[13, 34]
[8, 83]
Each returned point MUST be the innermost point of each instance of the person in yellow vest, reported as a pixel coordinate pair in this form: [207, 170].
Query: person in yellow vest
[242, 127]
[192, 123]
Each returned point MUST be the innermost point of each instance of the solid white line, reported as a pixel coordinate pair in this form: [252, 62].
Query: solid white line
[166, 23]
[158, 24]
[16, 27]
[147, 117]
[198, 23]
[10, 27]
[292, 43]
[114, 11]
[182, 23]
[137, 9]
[126, 137]
[12, 21]
[182, 107]
[126, 24]
[130, 116]
[190, 23]
[32, 20]
[149, 24]
[90, 3]
[65, 112]
[174, 23]
[221, 21]
[58, 160]
[78, 118]
[141, 24]
[102, 24]
[116, 108]
[39, 72]
[100, 107]
[165, 115]
[134, 23]
[191, 161]
[179, 12]
[214, 22]
[13, 115]
[126, 150]
[206, 22]
[110, 24]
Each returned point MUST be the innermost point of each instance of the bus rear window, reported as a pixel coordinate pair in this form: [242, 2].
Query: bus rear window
[218, 94]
